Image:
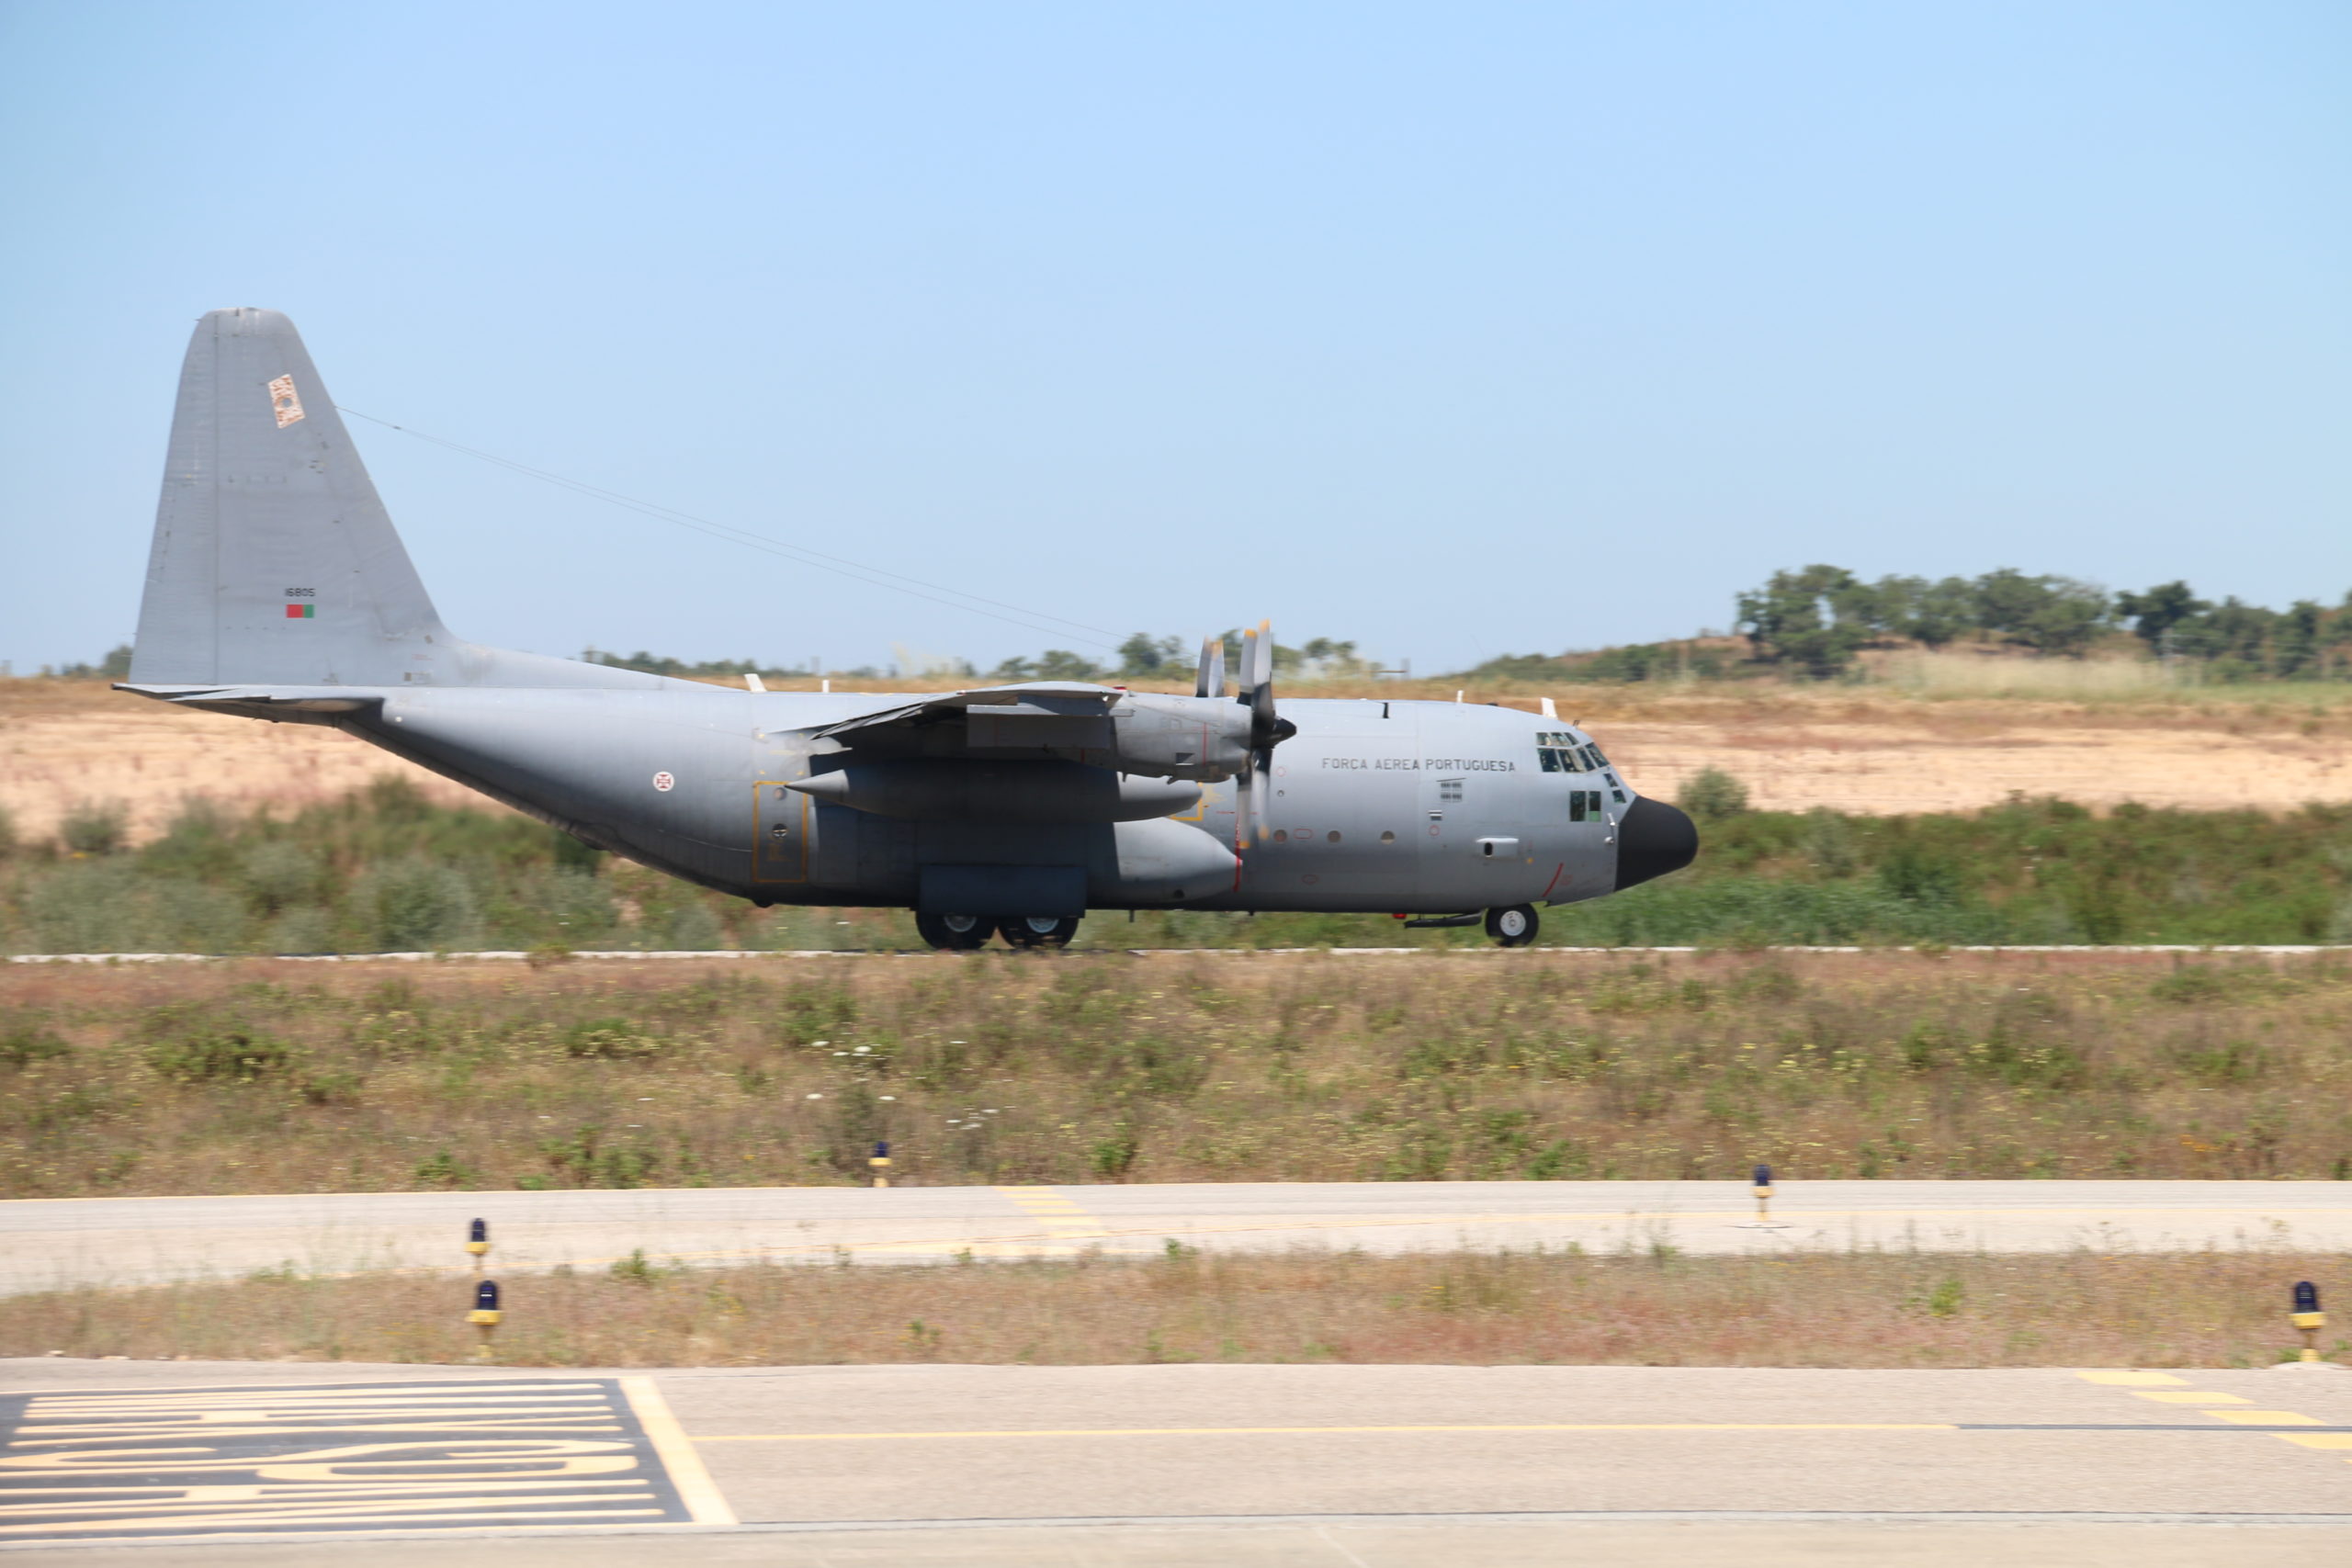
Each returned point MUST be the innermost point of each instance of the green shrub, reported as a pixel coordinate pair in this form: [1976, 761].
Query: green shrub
[22, 1044]
[444, 1170]
[191, 1046]
[610, 1039]
[414, 905]
[1712, 794]
[280, 873]
[94, 827]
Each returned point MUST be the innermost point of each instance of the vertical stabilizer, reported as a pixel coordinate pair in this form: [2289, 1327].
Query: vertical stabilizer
[272, 562]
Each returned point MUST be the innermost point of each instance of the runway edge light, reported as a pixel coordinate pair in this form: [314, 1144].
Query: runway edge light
[1763, 1180]
[478, 1242]
[880, 1165]
[2308, 1318]
[484, 1316]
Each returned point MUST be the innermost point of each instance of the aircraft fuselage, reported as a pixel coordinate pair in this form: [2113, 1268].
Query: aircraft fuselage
[1372, 806]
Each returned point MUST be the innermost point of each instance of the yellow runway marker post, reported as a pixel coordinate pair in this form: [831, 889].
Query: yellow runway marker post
[2308, 1319]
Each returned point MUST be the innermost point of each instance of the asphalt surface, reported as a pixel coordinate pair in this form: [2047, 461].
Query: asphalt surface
[1364, 1466]
[48, 1244]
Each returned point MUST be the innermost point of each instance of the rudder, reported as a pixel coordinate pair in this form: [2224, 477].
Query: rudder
[273, 560]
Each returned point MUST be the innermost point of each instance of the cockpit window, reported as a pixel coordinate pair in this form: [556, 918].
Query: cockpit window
[1560, 753]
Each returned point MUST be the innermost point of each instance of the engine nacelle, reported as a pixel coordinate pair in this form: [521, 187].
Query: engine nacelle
[1010, 793]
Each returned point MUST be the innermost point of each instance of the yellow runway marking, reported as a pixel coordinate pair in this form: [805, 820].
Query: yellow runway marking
[677, 1455]
[1332, 1431]
[188, 1462]
[1064, 1218]
[2234, 1416]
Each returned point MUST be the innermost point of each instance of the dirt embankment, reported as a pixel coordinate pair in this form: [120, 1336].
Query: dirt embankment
[1871, 752]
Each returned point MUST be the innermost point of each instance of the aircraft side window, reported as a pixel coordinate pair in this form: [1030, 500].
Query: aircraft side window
[1282, 836]
[1387, 836]
[1551, 759]
[1333, 836]
[1618, 794]
[1598, 760]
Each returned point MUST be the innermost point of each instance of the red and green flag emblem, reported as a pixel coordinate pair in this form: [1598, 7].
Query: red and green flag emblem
[301, 611]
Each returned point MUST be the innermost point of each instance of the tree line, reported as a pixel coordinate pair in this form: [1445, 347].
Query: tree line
[1816, 619]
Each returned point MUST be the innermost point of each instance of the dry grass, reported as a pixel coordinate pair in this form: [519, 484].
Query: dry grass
[257, 1076]
[1813, 1310]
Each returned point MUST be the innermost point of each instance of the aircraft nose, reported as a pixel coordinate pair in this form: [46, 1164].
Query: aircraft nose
[1654, 839]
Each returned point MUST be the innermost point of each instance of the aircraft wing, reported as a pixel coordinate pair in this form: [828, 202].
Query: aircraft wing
[1163, 736]
[1033, 714]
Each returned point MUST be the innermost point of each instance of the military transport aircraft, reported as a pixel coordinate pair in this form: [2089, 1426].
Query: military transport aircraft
[277, 588]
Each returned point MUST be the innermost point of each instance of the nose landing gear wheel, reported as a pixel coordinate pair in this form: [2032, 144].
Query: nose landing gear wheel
[1037, 930]
[1514, 927]
[956, 933]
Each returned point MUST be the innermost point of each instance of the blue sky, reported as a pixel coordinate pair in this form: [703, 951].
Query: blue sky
[1452, 330]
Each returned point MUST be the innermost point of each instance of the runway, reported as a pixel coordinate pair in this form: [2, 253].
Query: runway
[1179, 1465]
[51, 1243]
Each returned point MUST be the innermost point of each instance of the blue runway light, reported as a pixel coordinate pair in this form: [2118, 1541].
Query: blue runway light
[486, 1296]
[881, 1151]
[2308, 1319]
[1763, 1176]
[477, 1231]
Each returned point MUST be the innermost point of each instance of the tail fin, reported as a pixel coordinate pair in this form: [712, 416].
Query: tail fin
[274, 562]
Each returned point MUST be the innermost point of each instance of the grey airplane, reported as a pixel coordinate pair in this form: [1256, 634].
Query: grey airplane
[277, 588]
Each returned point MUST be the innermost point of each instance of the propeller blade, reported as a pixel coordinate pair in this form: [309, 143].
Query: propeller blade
[1267, 730]
[1267, 727]
[1246, 830]
[1211, 680]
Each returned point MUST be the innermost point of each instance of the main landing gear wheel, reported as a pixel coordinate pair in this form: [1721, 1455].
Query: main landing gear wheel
[1037, 930]
[1514, 927]
[958, 933]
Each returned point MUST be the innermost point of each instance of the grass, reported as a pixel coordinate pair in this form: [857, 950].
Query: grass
[1007, 1068]
[386, 870]
[2208, 1308]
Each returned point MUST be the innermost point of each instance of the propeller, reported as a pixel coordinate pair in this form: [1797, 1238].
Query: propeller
[1268, 729]
[1210, 683]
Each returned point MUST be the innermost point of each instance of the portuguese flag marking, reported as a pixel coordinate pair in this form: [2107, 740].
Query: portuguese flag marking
[300, 612]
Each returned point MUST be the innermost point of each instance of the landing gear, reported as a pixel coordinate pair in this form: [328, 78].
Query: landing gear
[958, 933]
[1037, 930]
[1513, 927]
